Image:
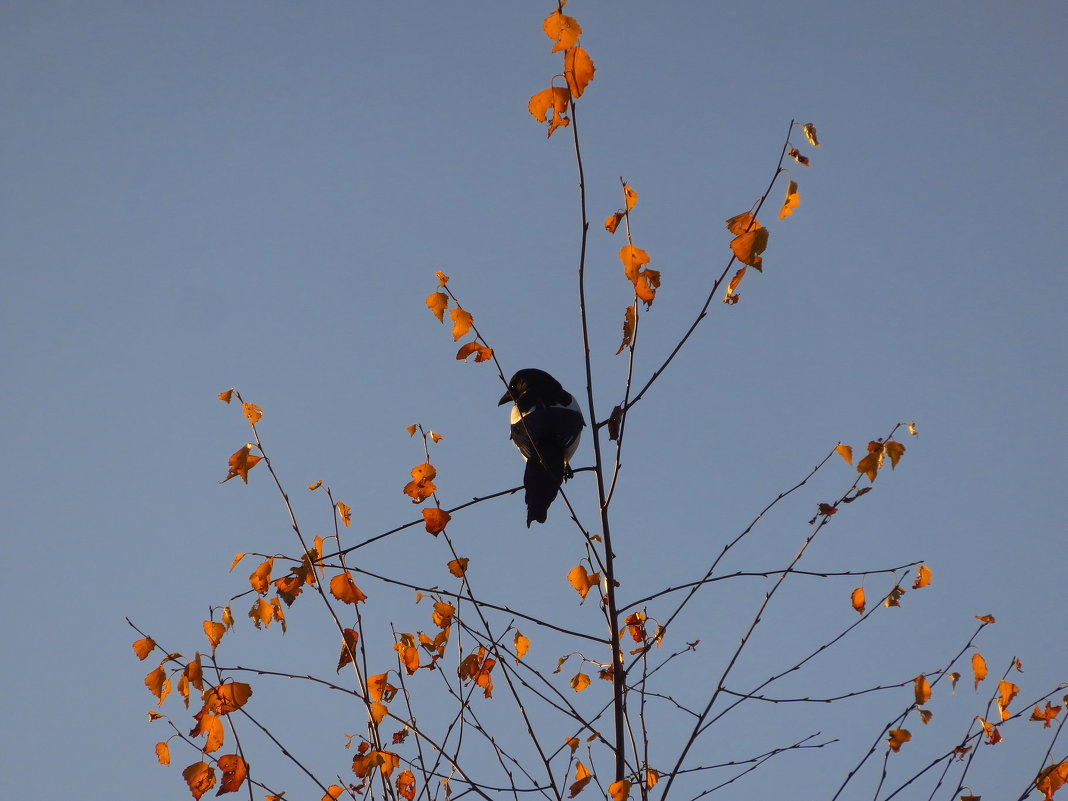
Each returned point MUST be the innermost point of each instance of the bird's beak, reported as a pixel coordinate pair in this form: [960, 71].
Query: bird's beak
[505, 398]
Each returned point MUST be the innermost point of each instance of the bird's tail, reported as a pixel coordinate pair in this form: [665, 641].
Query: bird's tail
[542, 486]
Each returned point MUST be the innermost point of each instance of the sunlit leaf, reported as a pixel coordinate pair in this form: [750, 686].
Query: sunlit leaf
[894, 598]
[158, 684]
[143, 647]
[578, 70]
[629, 319]
[791, 201]
[214, 632]
[986, 619]
[857, 600]
[990, 730]
[554, 98]
[253, 412]
[235, 771]
[894, 450]
[163, 752]
[260, 578]
[458, 566]
[630, 197]
[345, 512]
[579, 682]
[845, 451]
[619, 790]
[225, 397]
[200, 777]
[461, 322]
[978, 668]
[729, 296]
[482, 353]
[810, 134]
[1006, 692]
[747, 247]
[923, 577]
[422, 484]
[437, 302]
[921, 689]
[582, 778]
[406, 785]
[345, 590]
[564, 30]
[898, 737]
[582, 580]
[348, 647]
[442, 278]
[795, 154]
[740, 223]
[611, 222]
[241, 461]
[1045, 715]
[521, 645]
[1052, 778]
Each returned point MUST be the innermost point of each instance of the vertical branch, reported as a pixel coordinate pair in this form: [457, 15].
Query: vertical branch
[618, 677]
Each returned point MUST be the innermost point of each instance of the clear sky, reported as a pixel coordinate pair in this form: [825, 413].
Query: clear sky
[201, 195]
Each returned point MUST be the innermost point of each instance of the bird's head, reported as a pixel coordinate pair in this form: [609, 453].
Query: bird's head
[530, 387]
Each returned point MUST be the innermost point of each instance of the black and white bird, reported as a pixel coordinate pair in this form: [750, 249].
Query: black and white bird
[546, 425]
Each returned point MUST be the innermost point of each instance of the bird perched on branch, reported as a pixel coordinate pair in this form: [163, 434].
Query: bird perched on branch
[546, 425]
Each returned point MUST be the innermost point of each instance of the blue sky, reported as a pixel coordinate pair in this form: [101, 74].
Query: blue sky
[204, 195]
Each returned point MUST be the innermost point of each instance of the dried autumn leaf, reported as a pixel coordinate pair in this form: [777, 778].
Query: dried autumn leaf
[406, 785]
[894, 450]
[241, 461]
[845, 451]
[345, 512]
[1006, 692]
[562, 29]
[348, 647]
[252, 412]
[978, 668]
[1045, 715]
[211, 726]
[226, 698]
[611, 222]
[912, 430]
[163, 752]
[925, 716]
[422, 484]
[435, 520]
[645, 281]
[923, 577]
[730, 297]
[482, 353]
[225, 397]
[795, 154]
[747, 247]
[619, 790]
[458, 567]
[629, 320]
[345, 590]
[1052, 778]
[158, 684]
[791, 201]
[871, 463]
[437, 302]
[615, 421]
[214, 632]
[921, 689]
[461, 322]
[810, 134]
[898, 737]
[200, 777]
[237, 558]
[579, 682]
[521, 645]
[235, 771]
[857, 600]
[894, 598]
[443, 614]
[379, 688]
[740, 223]
[582, 580]
[555, 98]
[442, 278]
[582, 778]
[260, 578]
[651, 778]
[993, 736]
[143, 647]
[407, 653]
[572, 743]
[578, 70]
[986, 619]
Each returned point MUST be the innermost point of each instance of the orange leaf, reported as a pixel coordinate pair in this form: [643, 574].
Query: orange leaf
[252, 412]
[1006, 692]
[422, 485]
[582, 778]
[408, 653]
[348, 647]
[442, 278]
[922, 690]
[143, 647]
[461, 322]
[611, 222]
[211, 727]
[985, 619]
[458, 567]
[579, 682]
[1052, 778]
[993, 736]
[555, 98]
[747, 247]
[260, 578]
[1045, 715]
[619, 790]
[200, 777]
[234, 773]
[482, 353]
[845, 452]
[226, 698]
[645, 281]
[226, 396]
[163, 752]
[795, 154]
[978, 668]
[894, 450]
[572, 743]
[241, 461]
[158, 684]
[437, 302]
[810, 134]
[564, 30]
[522, 645]
[630, 196]
[857, 599]
[578, 70]
[629, 320]
[582, 580]
[406, 785]
[651, 778]
[898, 737]
[345, 512]
[435, 520]
[741, 223]
[791, 201]
[214, 632]
[730, 297]
[237, 558]
[442, 614]
[923, 577]
[345, 590]
[894, 598]
[380, 689]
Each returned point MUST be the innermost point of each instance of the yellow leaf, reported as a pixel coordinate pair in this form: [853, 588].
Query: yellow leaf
[564, 30]
[645, 281]
[1006, 692]
[158, 684]
[333, 792]
[237, 558]
[422, 484]
[572, 743]
[461, 322]
[619, 790]
[651, 778]
[578, 70]
[795, 154]
[437, 302]
[554, 98]
[582, 580]
[810, 134]
[845, 452]
[345, 512]
[791, 201]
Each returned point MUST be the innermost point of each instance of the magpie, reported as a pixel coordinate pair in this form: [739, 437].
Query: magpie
[546, 425]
